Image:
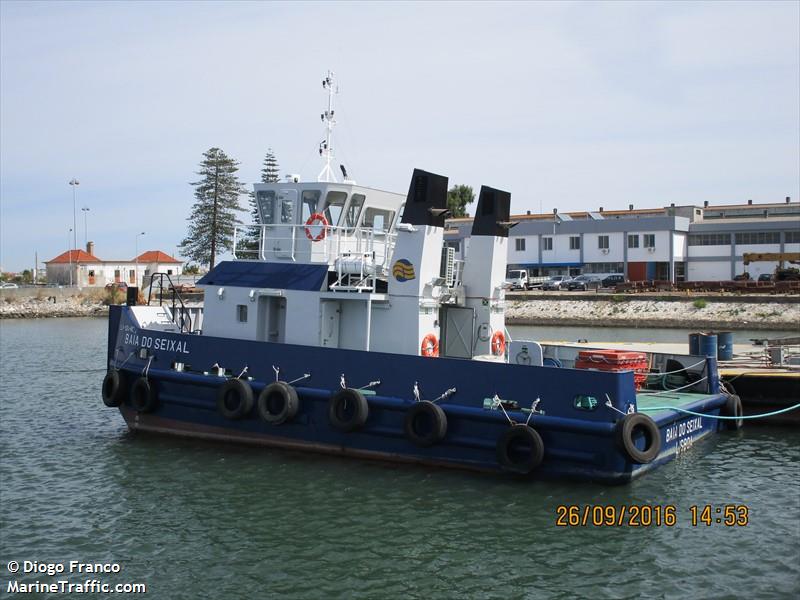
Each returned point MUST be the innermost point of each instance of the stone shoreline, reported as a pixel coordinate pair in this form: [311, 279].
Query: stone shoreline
[684, 314]
[34, 308]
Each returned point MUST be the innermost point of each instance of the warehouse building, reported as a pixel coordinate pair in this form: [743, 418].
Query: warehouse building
[674, 243]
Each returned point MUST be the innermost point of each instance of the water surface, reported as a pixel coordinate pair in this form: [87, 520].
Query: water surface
[195, 519]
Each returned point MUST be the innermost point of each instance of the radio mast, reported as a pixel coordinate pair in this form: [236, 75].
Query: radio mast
[325, 147]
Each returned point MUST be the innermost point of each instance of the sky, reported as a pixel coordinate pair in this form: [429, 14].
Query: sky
[566, 105]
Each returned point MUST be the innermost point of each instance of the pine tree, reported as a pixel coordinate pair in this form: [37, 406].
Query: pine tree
[213, 217]
[269, 174]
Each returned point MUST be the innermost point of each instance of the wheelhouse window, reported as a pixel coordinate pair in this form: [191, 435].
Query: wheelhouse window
[334, 205]
[353, 210]
[265, 199]
[286, 208]
[310, 203]
[378, 219]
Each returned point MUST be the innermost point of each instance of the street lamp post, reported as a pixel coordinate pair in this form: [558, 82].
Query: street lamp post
[85, 211]
[74, 183]
[69, 252]
[136, 272]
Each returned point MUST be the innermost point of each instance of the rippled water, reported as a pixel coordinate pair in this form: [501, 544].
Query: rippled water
[195, 520]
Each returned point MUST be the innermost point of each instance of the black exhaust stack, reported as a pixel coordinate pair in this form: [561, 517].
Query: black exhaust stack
[426, 203]
[493, 213]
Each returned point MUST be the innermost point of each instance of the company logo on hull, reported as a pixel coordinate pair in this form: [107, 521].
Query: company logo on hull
[403, 270]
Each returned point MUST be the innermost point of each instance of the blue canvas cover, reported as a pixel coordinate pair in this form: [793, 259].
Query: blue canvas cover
[267, 275]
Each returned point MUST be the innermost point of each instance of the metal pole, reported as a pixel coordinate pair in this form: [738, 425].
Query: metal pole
[85, 211]
[74, 183]
[69, 250]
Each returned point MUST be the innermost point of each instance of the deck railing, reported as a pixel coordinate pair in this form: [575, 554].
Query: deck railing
[318, 244]
[181, 315]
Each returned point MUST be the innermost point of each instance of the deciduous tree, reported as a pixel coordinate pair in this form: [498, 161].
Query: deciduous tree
[458, 197]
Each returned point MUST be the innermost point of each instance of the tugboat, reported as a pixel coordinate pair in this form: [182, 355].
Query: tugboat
[352, 330]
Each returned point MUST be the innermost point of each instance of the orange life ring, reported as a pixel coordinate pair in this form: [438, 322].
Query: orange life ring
[498, 343]
[315, 220]
[430, 346]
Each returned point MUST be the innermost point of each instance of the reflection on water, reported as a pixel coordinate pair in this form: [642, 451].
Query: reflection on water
[194, 519]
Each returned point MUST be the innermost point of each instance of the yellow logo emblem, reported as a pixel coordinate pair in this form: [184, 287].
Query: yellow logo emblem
[403, 270]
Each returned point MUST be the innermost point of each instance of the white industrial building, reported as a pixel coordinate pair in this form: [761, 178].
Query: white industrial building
[675, 243]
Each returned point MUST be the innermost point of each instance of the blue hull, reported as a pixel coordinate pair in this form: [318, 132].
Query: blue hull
[578, 444]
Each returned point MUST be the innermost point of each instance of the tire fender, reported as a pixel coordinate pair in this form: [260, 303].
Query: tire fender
[425, 424]
[635, 424]
[277, 403]
[235, 399]
[348, 410]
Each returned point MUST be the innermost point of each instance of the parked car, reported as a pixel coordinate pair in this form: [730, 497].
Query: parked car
[765, 277]
[8, 286]
[585, 282]
[554, 283]
[612, 280]
[517, 280]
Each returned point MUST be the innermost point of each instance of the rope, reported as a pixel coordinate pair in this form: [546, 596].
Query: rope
[305, 376]
[147, 367]
[446, 394]
[680, 370]
[370, 385]
[497, 402]
[697, 414]
[678, 389]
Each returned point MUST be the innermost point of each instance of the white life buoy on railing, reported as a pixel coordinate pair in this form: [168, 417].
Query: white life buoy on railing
[316, 220]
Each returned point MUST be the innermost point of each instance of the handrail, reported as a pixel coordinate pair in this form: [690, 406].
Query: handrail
[338, 240]
[185, 321]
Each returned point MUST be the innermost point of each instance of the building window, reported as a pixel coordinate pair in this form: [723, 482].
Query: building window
[602, 242]
[547, 243]
[519, 244]
[117, 276]
[169, 271]
[649, 240]
[633, 240]
[710, 239]
[574, 242]
[792, 237]
[759, 237]
[241, 313]
[131, 276]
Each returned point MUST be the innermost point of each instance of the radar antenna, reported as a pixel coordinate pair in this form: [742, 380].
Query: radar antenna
[325, 147]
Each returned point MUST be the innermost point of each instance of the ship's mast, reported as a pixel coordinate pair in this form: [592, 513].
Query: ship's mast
[325, 148]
